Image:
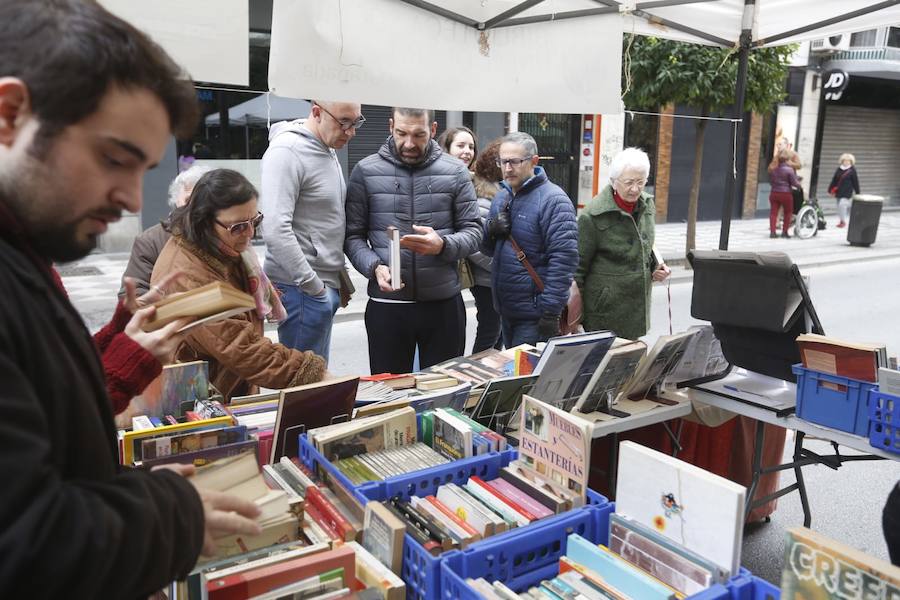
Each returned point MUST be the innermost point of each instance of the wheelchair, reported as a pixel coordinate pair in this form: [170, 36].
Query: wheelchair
[808, 216]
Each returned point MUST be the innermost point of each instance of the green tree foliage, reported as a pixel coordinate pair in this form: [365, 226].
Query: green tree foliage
[658, 72]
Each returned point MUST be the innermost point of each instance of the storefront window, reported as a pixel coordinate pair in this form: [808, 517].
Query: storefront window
[864, 38]
[893, 37]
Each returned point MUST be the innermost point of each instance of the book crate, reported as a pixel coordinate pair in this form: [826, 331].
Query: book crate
[423, 573]
[884, 416]
[746, 586]
[833, 401]
[522, 558]
[485, 466]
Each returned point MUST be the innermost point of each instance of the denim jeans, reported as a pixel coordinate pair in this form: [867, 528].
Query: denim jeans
[520, 332]
[309, 319]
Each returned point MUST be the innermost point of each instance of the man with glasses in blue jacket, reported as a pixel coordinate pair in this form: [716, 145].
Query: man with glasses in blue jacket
[532, 235]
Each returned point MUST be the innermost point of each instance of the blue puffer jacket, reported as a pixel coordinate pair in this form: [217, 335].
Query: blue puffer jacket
[437, 192]
[544, 226]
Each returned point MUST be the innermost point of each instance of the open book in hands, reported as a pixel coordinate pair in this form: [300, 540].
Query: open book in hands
[212, 302]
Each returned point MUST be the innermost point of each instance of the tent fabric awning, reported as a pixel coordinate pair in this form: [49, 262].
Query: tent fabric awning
[263, 109]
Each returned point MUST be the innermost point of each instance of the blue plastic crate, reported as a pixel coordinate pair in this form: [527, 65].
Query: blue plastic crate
[524, 556]
[884, 416]
[421, 571]
[486, 466]
[845, 408]
[746, 586]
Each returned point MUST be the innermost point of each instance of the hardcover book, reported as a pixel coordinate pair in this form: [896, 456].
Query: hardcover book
[212, 302]
[556, 444]
[845, 359]
[259, 581]
[310, 406]
[697, 509]
[819, 568]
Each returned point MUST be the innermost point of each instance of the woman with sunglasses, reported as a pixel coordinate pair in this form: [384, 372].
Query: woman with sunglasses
[211, 242]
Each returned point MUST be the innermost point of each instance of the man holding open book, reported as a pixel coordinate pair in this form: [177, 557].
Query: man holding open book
[86, 106]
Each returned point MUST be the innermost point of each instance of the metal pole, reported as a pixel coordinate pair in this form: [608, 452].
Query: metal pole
[731, 187]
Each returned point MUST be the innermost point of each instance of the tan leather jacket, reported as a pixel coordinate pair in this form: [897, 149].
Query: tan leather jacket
[240, 357]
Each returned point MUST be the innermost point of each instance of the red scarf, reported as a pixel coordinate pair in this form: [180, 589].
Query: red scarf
[621, 203]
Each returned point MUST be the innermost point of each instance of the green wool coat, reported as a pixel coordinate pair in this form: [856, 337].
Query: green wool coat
[615, 264]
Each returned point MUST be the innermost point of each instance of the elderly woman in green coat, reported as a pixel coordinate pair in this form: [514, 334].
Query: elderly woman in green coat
[616, 265]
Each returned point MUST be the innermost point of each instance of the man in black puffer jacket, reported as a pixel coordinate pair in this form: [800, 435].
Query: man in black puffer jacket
[412, 185]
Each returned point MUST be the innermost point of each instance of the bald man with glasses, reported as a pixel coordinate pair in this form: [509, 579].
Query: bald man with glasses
[302, 196]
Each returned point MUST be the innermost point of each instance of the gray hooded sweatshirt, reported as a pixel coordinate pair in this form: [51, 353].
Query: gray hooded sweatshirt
[302, 197]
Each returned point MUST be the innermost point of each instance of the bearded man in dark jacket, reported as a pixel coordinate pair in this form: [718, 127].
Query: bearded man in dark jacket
[86, 106]
[411, 184]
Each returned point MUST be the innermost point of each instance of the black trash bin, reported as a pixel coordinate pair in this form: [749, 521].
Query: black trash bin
[865, 213]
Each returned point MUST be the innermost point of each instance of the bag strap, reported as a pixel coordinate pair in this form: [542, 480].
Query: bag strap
[841, 178]
[520, 256]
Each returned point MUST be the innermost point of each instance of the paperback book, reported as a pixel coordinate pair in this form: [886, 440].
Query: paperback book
[212, 302]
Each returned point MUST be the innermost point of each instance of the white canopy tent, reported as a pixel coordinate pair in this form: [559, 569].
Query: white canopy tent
[524, 55]
[264, 109]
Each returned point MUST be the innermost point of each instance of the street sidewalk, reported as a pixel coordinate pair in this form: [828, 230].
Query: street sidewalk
[93, 282]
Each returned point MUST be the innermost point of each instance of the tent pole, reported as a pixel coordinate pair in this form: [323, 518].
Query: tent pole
[731, 187]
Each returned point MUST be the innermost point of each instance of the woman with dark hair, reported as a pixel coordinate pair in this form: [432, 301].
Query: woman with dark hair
[460, 142]
[211, 242]
[486, 179]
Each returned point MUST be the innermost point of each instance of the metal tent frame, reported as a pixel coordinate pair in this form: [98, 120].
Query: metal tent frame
[745, 43]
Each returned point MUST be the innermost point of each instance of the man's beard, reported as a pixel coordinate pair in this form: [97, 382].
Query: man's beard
[30, 192]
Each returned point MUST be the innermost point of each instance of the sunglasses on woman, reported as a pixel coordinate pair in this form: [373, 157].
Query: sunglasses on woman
[242, 227]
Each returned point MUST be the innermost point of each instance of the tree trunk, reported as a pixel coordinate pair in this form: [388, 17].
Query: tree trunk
[694, 196]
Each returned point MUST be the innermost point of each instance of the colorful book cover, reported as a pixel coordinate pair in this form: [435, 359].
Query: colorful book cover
[452, 438]
[556, 444]
[183, 382]
[819, 568]
[697, 509]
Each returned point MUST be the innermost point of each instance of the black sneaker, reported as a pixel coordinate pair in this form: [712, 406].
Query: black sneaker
[785, 235]
[773, 235]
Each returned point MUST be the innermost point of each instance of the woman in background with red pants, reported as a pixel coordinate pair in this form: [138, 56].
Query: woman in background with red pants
[782, 177]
